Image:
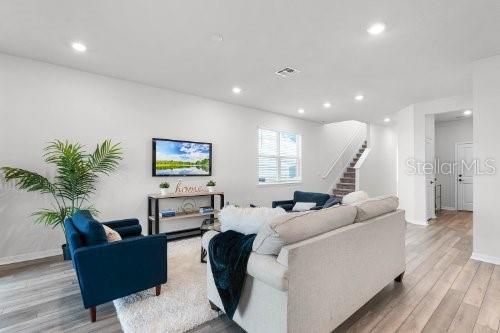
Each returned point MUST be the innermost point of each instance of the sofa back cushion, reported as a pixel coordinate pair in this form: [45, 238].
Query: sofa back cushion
[318, 198]
[294, 227]
[374, 207]
[91, 231]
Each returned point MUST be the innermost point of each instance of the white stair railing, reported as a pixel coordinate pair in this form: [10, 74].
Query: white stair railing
[336, 169]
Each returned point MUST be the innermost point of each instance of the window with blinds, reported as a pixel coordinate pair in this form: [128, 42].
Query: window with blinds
[279, 157]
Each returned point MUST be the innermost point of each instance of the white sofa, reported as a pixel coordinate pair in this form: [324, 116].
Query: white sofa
[321, 281]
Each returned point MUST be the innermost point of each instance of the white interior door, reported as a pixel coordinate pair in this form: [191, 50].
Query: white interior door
[464, 176]
[429, 180]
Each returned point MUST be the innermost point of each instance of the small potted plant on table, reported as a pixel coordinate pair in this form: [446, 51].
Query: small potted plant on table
[164, 188]
[211, 186]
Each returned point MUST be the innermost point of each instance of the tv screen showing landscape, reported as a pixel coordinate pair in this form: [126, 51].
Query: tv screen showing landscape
[181, 158]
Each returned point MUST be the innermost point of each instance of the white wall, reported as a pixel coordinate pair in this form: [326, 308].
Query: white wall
[377, 173]
[411, 145]
[448, 133]
[406, 181]
[41, 102]
[486, 245]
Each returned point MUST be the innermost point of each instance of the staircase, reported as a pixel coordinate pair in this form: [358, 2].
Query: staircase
[347, 183]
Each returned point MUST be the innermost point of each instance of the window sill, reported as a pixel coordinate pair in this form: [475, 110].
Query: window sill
[297, 182]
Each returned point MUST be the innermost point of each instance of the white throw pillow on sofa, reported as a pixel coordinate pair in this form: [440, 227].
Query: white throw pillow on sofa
[303, 206]
[354, 197]
[247, 220]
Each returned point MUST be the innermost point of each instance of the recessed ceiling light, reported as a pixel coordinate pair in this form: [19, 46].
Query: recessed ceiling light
[77, 46]
[387, 120]
[359, 97]
[376, 29]
[327, 105]
[236, 90]
[301, 111]
[467, 112]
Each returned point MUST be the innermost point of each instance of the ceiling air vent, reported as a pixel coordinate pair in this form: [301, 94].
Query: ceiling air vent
[287, 72]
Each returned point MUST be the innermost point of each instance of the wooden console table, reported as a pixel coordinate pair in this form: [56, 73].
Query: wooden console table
[154, 218]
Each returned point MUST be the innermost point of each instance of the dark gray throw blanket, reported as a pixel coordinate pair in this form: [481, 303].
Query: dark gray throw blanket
[228, 253]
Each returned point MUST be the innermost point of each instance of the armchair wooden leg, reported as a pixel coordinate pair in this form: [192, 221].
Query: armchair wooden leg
[399, 278]
[158, 290]
[92, 312]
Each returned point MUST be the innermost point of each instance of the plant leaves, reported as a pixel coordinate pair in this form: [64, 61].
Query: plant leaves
[105, 158]
[52, 217]
[74, 183]
[28, 180]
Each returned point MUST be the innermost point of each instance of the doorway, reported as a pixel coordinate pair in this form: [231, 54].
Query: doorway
[430, 180]
[454, 156]
[464, 175]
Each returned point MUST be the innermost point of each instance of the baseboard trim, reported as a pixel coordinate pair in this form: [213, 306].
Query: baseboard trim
[485, 258]
[29, 256]
[448, 208]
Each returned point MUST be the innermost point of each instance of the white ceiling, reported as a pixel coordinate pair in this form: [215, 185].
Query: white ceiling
[450, 116]
[425, 53]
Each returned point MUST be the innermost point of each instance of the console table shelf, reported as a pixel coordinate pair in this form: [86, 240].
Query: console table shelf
[184, 216]
[184, 195]
[154, 218]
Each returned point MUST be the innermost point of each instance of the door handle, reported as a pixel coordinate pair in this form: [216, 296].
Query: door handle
[432, 182]
[459, 175]
[460, 180]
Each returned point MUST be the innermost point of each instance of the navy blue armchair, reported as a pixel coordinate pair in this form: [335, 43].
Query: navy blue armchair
[107, 271]
[298, 196]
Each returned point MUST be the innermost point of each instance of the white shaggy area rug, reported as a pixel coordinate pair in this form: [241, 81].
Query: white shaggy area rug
[182, 304]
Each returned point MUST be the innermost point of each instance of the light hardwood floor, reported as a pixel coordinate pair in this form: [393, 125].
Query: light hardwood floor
[443, 290]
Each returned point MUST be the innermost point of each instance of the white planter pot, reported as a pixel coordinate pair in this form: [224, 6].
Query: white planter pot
[163, 191]
[211, 189]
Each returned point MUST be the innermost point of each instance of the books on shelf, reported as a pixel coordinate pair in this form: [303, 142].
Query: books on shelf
[206, 210]
[167, 213]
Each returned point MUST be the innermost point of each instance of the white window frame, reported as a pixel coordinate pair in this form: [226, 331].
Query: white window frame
[279, 181]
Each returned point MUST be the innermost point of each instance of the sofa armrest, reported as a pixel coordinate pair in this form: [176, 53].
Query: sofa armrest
[121, 223]
[280, 203]
[261, 266]
[114, 270]
[265, 268]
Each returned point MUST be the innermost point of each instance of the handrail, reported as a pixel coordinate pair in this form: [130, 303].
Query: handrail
[355, 135]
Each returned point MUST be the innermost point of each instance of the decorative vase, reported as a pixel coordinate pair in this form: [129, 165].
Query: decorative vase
[66, 252]
[211, 189]
[163, 191]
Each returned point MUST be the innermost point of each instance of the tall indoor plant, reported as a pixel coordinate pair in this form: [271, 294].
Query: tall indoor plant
[75, 180]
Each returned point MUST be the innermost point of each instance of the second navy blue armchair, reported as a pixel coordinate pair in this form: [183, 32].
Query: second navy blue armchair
[298, 196]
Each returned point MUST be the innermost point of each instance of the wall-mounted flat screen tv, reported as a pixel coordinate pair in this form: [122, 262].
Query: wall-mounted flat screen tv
[181, 158]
